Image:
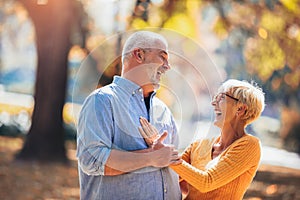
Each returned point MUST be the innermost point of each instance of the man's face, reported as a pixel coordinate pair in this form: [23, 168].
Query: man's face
[156, 64]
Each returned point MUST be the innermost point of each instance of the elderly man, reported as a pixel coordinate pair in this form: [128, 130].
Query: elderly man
[114, 160]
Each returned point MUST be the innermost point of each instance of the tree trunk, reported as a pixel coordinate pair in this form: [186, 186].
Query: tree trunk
[52, 21]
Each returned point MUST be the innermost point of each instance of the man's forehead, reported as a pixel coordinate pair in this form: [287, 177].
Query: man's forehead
[161, 47]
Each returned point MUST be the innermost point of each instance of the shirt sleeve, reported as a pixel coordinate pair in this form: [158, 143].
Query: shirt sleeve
[175, 137]
[94, 134]
[238, 159]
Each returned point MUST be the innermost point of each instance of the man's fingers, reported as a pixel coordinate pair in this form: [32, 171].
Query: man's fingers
[149, 129]
[175, 159]
[142, 132]
[162, 137]
[146, 126]
[153, 129]
[150, 132]
[176, 162]
[148, 140]
[144, 122]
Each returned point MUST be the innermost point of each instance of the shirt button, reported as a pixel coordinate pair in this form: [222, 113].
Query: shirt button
[165, 190]
[133, 92]
[142, 99]
[140, 90]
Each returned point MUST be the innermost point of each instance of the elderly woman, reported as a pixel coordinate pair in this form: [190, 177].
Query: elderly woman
[222, 167]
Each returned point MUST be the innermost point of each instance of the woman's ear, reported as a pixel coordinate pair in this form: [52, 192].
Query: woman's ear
[241, 109]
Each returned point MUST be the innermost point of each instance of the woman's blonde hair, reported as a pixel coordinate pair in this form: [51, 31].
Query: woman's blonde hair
[247, 93]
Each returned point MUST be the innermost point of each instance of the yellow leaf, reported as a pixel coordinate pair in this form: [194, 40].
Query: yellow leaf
[272, 22]
[139, 24]
[182, 24]
[292, 5]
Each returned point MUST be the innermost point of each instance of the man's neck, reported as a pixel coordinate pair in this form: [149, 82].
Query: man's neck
[147, 90]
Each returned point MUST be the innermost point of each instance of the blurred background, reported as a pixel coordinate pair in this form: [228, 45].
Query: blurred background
[54, 52]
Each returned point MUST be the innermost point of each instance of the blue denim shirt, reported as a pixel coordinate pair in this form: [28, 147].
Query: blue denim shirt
[109, 119]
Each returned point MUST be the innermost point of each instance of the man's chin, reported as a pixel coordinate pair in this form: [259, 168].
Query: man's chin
[156, 86]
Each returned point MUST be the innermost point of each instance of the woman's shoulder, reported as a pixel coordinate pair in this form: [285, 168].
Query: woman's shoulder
[251, 138]
[248, 140]
[204, 142]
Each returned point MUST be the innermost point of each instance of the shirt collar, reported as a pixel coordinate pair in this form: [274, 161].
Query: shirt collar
[128, 85]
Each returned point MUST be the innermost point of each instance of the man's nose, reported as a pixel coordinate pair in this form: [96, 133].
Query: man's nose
[167, 65]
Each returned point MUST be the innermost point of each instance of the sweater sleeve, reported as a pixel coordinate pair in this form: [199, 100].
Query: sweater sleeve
[237, 159]
[186, 154]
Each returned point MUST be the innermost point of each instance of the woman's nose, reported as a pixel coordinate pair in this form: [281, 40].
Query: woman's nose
[213, 102]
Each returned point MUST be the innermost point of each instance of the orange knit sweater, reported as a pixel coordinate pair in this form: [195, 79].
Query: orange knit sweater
[227, 176]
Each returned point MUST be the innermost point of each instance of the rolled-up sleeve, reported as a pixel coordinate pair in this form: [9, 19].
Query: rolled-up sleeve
[94, 134]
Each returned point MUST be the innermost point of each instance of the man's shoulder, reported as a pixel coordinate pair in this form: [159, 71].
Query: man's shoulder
[107, 91]
[104, 93]
[160, 106]
[159, 102]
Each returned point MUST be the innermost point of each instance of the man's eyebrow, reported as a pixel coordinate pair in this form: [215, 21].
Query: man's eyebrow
[164, 53]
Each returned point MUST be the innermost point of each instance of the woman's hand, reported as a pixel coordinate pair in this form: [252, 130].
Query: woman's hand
[184, 187]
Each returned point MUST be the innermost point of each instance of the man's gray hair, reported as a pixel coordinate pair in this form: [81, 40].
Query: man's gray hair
[143, 39]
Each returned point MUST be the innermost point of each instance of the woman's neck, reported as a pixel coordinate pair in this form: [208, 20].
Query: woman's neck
[229, 135]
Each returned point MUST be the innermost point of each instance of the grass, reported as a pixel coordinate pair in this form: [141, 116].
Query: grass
[36, 181]
[32, 180]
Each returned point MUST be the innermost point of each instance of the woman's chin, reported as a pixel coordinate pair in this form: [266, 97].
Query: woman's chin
[217, 123]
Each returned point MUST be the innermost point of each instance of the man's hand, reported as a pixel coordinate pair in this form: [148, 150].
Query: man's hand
[151, 135]
[149, 132]
[165, 156]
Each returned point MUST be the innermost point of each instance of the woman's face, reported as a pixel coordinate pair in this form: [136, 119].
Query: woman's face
[225, 108]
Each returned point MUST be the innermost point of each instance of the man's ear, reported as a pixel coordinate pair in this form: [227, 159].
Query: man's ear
[139, 55]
